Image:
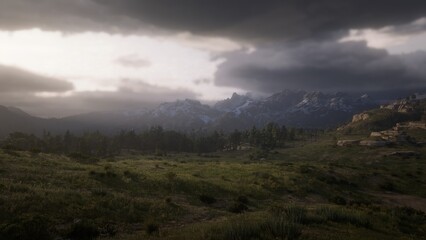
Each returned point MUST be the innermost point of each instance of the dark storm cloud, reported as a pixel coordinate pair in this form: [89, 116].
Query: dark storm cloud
[62, 15]
[242, 19]
[17, 80]
[324, 66]
[296, 42]
[132, 94]
[258, 19]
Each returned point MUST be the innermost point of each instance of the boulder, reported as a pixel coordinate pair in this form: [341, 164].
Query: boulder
[372, 143]
[345, 143]
[375, 134]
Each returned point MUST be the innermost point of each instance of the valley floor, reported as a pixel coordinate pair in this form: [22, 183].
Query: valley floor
[305, 191]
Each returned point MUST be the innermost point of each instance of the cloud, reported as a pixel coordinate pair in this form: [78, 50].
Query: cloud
[202, 81]
[390, 37]
[133, 61]
[243, 19]
[292, 43]
[255, 19]
[17, 80]
[62, 15]
[323, 66]
[132, 94]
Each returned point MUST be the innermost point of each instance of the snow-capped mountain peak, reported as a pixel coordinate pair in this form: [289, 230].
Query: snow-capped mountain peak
[288, 107]
[232, 104]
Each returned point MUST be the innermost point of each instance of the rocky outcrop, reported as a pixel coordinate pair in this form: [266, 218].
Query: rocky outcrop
[372, 143]
[360, 117]
[391, 135]
[402, 106]
[345, 143]
[411, 125]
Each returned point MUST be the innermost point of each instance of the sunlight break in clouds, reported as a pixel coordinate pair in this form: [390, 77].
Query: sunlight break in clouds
[396, 39]
[100, 61]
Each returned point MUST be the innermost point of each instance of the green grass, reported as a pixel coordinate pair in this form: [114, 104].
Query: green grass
[309, 190]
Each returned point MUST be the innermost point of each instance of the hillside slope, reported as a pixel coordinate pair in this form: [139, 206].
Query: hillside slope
[387, 116]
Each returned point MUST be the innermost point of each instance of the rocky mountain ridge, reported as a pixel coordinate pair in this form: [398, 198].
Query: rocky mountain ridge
[290, 108]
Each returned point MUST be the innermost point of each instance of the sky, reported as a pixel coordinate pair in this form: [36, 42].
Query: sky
[65, 57]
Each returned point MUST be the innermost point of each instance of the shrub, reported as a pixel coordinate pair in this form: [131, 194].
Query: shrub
[409, 220]
[259, 154]
[171, 176]
[341, 215]
[11, 152]
[35, 227]
[83, 230]
[99, 192]
[236, 229]
[238, 207]
[272, 227]
[294, 214]
[338, 200]
[242, 199]
[152, 228]
[109, 230]
[207, 199]
[281, 228]
[83, 158]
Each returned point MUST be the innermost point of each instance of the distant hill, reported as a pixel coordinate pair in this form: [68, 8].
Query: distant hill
[13, 119]
[409, 109]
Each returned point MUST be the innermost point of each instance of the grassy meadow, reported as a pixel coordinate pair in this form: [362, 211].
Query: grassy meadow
[307, 190]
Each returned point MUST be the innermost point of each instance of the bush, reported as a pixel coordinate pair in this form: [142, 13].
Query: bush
[340, 215]
[338, 200]
[242, 199]
[281, 228]
[280, 225]
[26, 229]
[11, 152]
[285, 222]
[109, 230]
[83, 230]
[83, 158]
[294, 214]
[152, 228]
[259, 154]
[238, 207]
[409, 220]
[171, 176]
[207, 199]
[236, 229]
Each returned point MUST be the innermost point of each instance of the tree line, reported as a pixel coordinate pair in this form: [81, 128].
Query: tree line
[156, 140]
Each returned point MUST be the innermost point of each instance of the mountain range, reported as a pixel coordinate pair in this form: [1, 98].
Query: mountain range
[290, 108]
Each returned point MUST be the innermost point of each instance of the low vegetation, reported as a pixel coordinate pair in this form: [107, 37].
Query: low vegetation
[305, 189]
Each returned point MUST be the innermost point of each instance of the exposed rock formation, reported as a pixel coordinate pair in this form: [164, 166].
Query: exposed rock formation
[345, 143]
[410, 125]
[372, 143]
[360, 117]
[391, 136]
